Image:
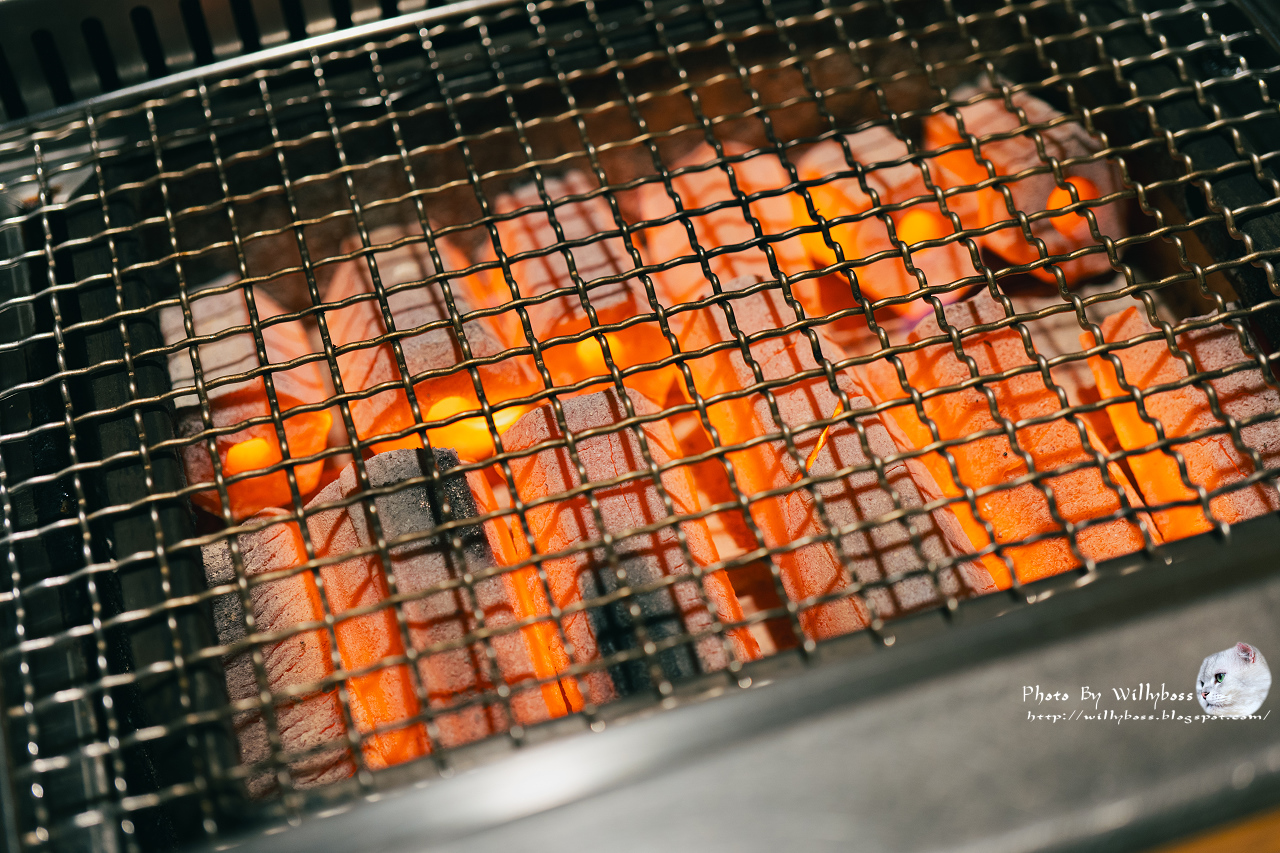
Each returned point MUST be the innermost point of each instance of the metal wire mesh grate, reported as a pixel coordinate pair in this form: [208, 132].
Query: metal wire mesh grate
[524, 465]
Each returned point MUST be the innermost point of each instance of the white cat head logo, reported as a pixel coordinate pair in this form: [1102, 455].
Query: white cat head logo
[1234, 682]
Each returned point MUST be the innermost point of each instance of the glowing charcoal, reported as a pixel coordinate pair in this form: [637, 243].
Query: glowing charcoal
[1214, 461]
[1019, 512]
[725, 231]
[816, 569]
[432, 352]
[1241, 394]
[385, 695]
[604, 271]
[1012, 153]
[886, 550]
[254, 447]
[302, 658]
[442, 612]
[645, 560]
[849, 196]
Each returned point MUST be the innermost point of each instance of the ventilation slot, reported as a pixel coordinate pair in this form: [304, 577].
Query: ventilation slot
[95, 39]
[294, 18]
[341, 13]
[197, 31]
[10, 95]
[144, 25]
[51, 64]
[246, 24]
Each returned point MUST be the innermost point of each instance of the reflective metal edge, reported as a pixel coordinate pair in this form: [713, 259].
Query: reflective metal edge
[250, 60]
[726, 770]
[1265, 15]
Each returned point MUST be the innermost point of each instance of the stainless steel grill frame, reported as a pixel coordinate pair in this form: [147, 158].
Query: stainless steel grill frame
[107, 599]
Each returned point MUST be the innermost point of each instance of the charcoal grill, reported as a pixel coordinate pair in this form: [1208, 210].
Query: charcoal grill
[148, 150]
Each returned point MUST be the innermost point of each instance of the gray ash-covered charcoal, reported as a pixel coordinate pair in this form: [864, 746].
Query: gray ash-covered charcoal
[445, 603]
[612, 626]
[302, 657]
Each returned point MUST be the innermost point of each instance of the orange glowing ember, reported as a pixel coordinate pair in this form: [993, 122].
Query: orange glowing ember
[822, 440]
[920, 224]
[1072, 225]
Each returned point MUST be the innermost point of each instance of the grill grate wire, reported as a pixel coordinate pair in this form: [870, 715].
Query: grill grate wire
[118, 731]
